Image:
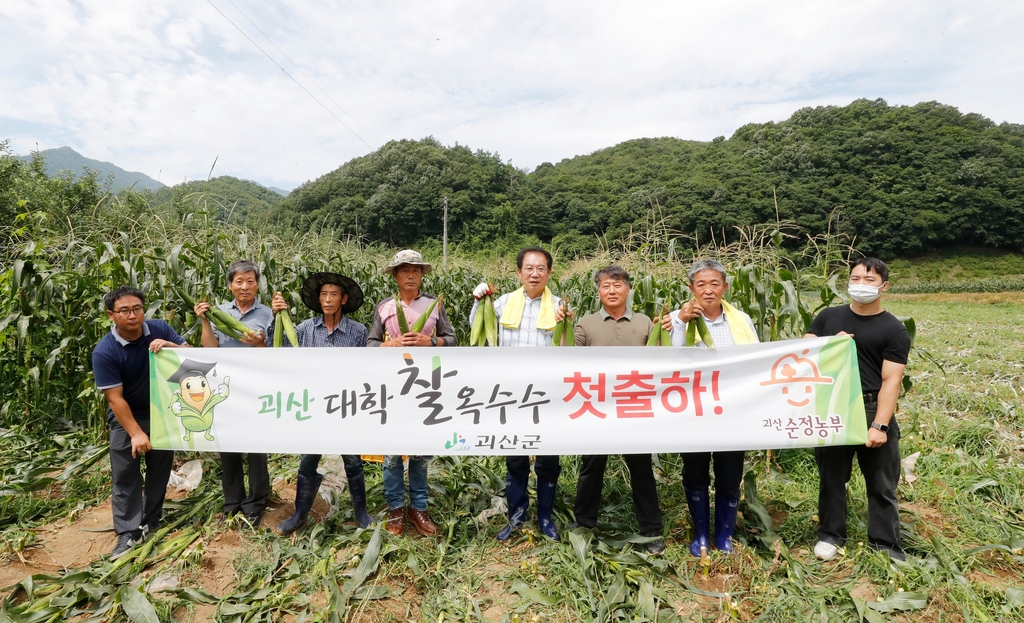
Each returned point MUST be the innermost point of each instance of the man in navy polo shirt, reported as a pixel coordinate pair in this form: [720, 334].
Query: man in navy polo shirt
[120, 364]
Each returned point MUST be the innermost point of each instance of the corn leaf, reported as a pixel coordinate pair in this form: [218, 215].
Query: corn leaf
[901, 601]
[137, 606]
[534, 595]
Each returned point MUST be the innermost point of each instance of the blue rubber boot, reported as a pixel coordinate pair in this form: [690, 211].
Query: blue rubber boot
[700, 517]
[545, 504]
[518, 506]
[725, 521]
[305, 492]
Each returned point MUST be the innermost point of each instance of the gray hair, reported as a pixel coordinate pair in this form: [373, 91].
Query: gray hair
[702, 265]
[616, 273]
[242, 266]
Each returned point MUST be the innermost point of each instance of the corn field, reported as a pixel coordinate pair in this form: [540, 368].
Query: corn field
[52, 420]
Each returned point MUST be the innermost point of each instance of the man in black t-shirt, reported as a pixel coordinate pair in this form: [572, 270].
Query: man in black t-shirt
[883, 345]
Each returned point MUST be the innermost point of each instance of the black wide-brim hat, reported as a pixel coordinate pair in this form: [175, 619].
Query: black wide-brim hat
[311, 291]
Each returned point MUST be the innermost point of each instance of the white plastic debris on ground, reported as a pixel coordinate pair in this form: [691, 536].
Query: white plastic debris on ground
[165, 581]
[334, 483]
[498, 507]
[187, 477]
[909, 463]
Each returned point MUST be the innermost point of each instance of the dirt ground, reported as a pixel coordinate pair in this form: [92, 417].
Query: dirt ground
[77, 540]
[70, 542]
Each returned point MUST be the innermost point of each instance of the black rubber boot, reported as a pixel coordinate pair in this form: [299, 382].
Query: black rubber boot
[357, 489]
[305, 492]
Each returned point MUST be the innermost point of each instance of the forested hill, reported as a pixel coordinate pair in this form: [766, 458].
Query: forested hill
[907, 180]
[228, 198]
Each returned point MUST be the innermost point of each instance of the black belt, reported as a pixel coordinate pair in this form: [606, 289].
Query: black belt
[870, 397]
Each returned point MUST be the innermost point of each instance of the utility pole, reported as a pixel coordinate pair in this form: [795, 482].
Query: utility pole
[444, 243]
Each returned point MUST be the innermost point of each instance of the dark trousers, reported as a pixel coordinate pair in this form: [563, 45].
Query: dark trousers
[133, 502]
[728, 471]
[881, 469]
[547, 468]
[645, 491]
[232, 480]
[309, 462]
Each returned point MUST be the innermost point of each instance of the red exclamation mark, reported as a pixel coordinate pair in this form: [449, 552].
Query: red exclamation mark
[714, 391]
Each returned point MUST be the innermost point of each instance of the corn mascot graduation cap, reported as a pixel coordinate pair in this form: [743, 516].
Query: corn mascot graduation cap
[195, 398]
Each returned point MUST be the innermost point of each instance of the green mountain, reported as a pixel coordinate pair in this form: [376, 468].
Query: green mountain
[230, 199]
[67, 159]
[898, 180]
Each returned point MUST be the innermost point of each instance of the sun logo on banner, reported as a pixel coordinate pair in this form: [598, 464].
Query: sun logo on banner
[797, 376]
[195, 397]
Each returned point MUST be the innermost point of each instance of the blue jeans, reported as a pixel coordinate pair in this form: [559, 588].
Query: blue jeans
[394, 481]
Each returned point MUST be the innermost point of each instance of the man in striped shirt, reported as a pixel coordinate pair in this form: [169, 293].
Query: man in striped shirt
[527, 317]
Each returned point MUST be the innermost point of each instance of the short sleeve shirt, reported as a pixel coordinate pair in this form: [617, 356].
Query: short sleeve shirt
[116, 362]
[259, 317]
[881, 337]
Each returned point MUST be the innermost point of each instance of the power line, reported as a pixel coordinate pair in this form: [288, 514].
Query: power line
[283, 53]
[329, 111]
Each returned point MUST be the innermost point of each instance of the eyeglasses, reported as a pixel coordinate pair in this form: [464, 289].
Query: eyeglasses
[128, 311]
[540, 270]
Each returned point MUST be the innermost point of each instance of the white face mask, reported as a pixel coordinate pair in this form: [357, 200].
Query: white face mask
[863, 294]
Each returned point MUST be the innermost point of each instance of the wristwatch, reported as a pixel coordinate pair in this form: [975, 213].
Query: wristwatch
[433, 340]
[882, 427]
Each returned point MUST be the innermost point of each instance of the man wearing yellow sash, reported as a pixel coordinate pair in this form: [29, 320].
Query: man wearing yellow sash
[728, 326]
[527, 317]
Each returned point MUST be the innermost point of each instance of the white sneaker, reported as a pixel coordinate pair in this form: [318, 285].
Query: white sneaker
[825, 551]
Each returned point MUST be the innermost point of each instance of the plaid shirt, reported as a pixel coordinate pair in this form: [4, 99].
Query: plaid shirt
[313, 333]
[527, 334]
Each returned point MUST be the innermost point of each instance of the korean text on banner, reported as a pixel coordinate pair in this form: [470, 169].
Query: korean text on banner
[482, 401]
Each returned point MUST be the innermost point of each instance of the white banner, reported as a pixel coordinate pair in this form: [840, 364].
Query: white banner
[507, 401]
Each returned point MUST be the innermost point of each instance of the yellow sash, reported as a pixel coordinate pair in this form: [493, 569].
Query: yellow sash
[515, 304]
[738, 326]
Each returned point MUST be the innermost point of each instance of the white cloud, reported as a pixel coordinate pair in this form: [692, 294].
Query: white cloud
[166, 87]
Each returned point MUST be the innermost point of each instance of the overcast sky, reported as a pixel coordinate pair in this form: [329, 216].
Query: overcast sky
[165, 87]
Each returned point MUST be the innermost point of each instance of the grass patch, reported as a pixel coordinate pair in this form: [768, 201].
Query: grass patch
[958, 264]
